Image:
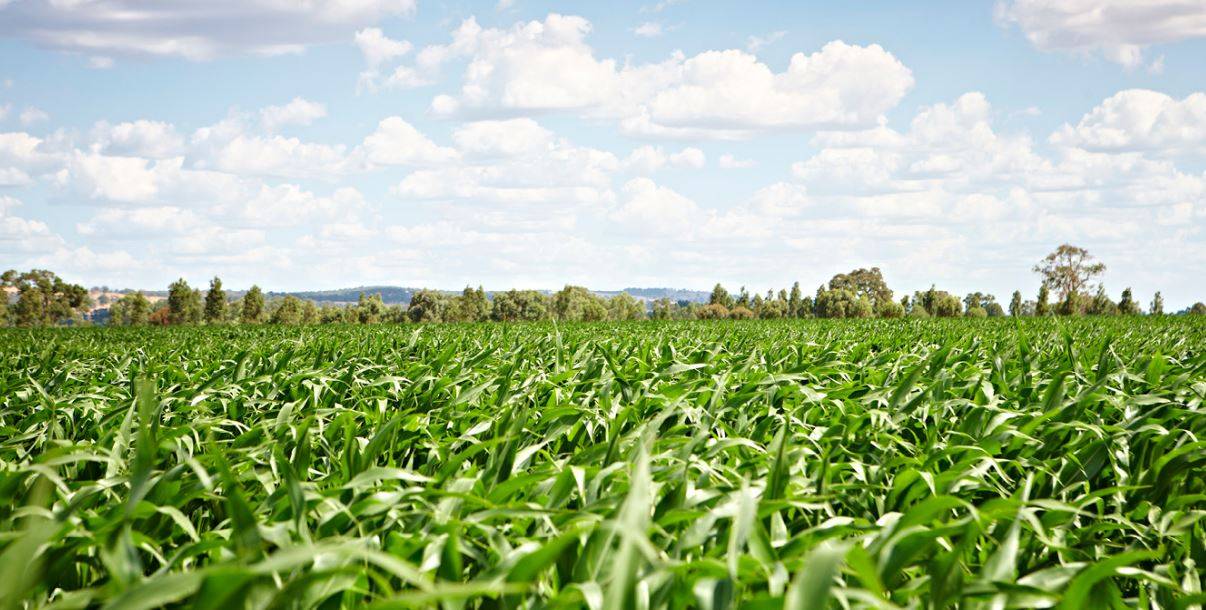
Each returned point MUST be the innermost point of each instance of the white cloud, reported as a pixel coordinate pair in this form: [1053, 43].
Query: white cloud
[1120, 30]
[142, 223]
[141, 138]
[121, 179]
[653, 208]
[728, 161]
[649, 159]
[33, 114]
[191, 29]
[396, 142]
[757, 43]
[279, 156]
[20, 236]
[515, 161]
[506, 138]
[23, 152]
[298, 111]
[12, 176]
[378, 48]
[547, 65]
[1140, 119]
[379, 51]
[649, 29]
[291, 205]
[689, 157]
[952, 179]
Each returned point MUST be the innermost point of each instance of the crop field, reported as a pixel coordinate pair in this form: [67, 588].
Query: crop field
[763, 464]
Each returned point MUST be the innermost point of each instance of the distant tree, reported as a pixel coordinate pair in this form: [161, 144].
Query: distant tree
[1101, 304]
[1198, 309]
[937, 303]
[253, 306]
[721, 297]
[1015, 304]
[978, 299]
[1041, 308]
[663, 309]
[842, 303]
[946, 305]
[160, 317]
[309, 312]
[1069, 270]
[977, 312]
[1157, 308]
[712, 311]
[1127, 305]
[43, 298]
[215, 302]
[331, 314]
[807, 307]
[470, 306]
[520, 306]
[184, 303]
[743, 298]
[624, 307]
[1073, 304]
[890, 309]
[577, 304]
[995, 310]
[288, 311]
[865, 283]
[369, 309]
[132, 309]
[795, 302]
[740, 312]
[771, 309]
[428, 306]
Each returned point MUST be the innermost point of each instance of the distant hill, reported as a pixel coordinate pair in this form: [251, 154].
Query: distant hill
[391, 295]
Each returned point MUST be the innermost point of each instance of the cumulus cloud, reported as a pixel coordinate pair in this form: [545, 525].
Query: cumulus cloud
[649, 159]
[548, 65]
[140, 138]
[379, 48]
[650, 207]
[20, 236]
[396, 142]
[1119, 30]
[379, 52]
[1140, 119]
[298, 111]
[191, 29]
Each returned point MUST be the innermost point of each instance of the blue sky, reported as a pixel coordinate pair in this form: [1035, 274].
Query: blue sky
[323, 144]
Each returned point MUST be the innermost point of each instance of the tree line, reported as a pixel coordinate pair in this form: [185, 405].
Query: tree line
[41, 298]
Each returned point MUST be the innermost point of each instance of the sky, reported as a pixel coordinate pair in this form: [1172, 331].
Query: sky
[319, 144]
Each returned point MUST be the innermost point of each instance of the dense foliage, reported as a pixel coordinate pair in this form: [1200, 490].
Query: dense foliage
[904, 463]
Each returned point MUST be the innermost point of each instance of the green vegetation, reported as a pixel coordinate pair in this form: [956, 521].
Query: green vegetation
[919, 463]
[44, 300]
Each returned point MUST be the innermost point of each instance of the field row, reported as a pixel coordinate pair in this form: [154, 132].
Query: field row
[762, 464]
